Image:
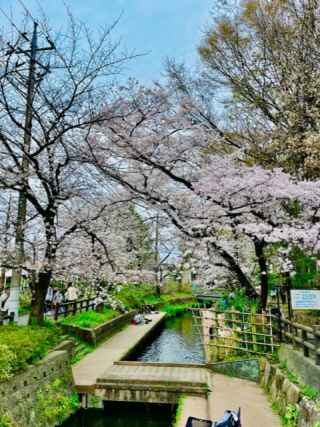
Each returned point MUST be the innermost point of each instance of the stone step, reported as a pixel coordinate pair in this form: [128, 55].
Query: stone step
[154, 375]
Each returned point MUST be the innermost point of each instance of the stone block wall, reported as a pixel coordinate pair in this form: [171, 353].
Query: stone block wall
[18, 395]
[282, 392]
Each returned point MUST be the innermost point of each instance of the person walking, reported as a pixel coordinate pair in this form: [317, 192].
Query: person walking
[48, 299]
[71, 295]
[56, 300]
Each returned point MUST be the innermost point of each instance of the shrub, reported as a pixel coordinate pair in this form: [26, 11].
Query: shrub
[6, 420]
[173, 310]
[29, 344]
[54, 404]
[6, 358]
[134, 298]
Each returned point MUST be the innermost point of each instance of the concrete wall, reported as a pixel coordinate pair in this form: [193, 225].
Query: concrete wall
[99, 333]
[282, 392]
[148, 393]
[139, 394]
[305, 367]
[247, 369]
[18, 395]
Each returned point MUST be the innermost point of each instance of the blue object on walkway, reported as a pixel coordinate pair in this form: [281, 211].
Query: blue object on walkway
[229, 419]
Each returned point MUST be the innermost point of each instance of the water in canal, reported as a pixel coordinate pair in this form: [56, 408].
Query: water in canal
[177, 341]
[124, 415]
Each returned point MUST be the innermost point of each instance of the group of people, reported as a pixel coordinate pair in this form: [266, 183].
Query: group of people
[55, 296]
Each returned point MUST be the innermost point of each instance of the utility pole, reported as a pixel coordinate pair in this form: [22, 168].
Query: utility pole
[31, 53]
[157, 256]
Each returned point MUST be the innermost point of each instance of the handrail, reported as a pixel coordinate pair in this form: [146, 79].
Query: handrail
[304, 336]
[64, 309]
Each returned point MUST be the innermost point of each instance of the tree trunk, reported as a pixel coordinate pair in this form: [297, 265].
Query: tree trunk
[236, 269]
[259, 246]
[38, 298]
[2, 278]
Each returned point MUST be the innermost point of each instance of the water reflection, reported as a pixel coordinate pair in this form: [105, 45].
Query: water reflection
[178, 342]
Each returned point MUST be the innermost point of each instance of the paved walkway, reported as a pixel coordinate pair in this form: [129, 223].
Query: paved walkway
[230, 393]
[87, 371]
[193, 406]
[23, 319]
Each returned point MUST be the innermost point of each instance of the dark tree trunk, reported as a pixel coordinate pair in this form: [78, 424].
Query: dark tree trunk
[259, 247]
[157, 289]
[237, 271]
[38, 298]
[44, 277]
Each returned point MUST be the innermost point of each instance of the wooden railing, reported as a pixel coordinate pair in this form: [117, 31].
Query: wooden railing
[302, 337]
[65, 309]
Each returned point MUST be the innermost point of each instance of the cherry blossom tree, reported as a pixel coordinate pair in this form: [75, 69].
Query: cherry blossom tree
[160, 156]
[44, 121]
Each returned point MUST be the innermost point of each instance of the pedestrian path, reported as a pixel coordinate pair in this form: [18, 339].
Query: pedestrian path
[87, 371]
[23, 319]
[231, 393]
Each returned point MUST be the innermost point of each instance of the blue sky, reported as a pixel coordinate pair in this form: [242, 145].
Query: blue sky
[159, 28]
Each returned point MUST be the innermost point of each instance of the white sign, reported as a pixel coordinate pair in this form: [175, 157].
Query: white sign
[302, 299]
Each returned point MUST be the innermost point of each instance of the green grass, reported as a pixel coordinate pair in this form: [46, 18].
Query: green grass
[91, 318]
[135, 297]
[179, 410]
[173, 310]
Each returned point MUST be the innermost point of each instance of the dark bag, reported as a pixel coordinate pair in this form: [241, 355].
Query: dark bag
[229, 419]
[197, 422]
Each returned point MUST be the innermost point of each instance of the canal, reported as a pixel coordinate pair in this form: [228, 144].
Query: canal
[177, 340]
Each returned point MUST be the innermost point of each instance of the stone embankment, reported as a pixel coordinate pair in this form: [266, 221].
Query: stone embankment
[283, 393]
[22, 396]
